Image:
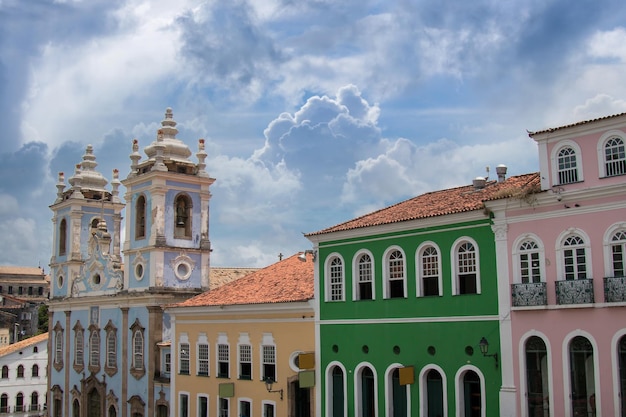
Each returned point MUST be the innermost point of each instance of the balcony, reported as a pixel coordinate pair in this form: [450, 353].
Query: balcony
[614, 289]
[529, 294]
[579, 291]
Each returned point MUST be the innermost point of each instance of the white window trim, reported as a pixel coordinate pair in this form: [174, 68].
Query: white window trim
[459, 390]
[389, 393]
[554, 160]
[607, 243]
[600, 150]
[567, 383]
[327, 284]
[208, 404]
[560, 270]
[222, 339]
[268, 340]
[419, 284]
[615, 368]
[249, 400]
[358, 370]
[386, 281]
[516, 253]
[355, 274]
[183, 338]
[423, 390]
[272, 403]
[203, 340]
[180, 403]
[522, 375]
[217, 405]
[328, 387]
[244, 339]
[455, 264]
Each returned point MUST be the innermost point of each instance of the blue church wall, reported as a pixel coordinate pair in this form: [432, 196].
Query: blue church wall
[132, 220]
[169, 276]
[134, 280]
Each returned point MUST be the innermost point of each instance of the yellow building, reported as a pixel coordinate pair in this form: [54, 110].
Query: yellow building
[246, 348]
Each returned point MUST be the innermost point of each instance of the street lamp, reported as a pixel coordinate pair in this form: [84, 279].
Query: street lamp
[484, 348]
[268, 385]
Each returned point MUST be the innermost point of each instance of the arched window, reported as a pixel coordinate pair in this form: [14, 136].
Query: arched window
[113, 411]
[367, 393]
[395, 275]
[529, 262]
[182, 210]
[138, 349]
[58, 347]
[397, 397]
[75, 408]
[567, 167]
[582, 377]
[537, 374]
[574, 258]
[35, 371]
[335, 281]
[79, 346]
[434, 404]
[472, 395]
[336, 393]
[5, 372]
[111, 349]
[429, 271]
[62, 237]
[94, 349]
[140, 218]
[4, 403]
[34, 401]
[19, 402]
[467, 279]
[614, 157]
[20, 371]
[618, 254]
[365, 282]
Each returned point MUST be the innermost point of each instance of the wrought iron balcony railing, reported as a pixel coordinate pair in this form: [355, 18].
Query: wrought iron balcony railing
[529, 294]
[579, 291]
[614, 289]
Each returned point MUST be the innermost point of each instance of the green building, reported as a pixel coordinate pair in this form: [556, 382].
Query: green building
[405, 296]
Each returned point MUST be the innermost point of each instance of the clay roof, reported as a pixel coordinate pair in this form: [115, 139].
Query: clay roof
[20, 270]
[221, 276]
[289, 280]
[553, 129]
[441, 203]
[23, 344]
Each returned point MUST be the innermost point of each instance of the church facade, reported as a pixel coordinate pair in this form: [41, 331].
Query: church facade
[109, 336]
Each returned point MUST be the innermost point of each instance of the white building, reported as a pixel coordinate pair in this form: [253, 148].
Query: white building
[23, 377]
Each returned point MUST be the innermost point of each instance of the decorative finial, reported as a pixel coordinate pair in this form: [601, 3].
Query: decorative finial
[201, 155]
[135, 157]
[115, 185]
[60, 187]
[77, 183]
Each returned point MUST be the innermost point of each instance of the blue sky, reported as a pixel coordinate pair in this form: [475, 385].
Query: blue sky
[314, 112]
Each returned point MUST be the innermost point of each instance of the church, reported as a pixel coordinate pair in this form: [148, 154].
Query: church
[109, 338]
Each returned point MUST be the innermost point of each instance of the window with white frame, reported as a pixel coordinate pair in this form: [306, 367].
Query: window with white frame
[574, 258]
[184, 358]
[223, 360]
[245, 408]
[224, 406]
[529, 262]
[269, 409]
[94, 349]
[614, 157]
[203, 406]
[467, 280]
[395, 276]
[58, 346]
[365, 277]
[167, 363]
[335, 279]
[245, 361]
[269, 362]
[137, 369]
[429, 270]
[567, 167]
[111, 349]
[618, 253]
[184, 405]
[79, 347]
[203, 357]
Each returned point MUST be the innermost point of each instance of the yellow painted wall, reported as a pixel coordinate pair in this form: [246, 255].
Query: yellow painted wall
[292, 332]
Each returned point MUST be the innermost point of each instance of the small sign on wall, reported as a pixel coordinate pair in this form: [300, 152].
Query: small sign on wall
[306, 379]
[227, 390]
[407, 375]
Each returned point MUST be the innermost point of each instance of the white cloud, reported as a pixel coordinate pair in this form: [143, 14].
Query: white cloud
[608, 44]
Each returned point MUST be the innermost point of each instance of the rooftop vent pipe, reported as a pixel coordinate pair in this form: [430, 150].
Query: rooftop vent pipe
[501, 171]
[479, 183]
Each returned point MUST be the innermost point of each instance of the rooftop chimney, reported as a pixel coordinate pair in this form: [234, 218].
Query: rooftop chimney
[501, 171]
[479, 183]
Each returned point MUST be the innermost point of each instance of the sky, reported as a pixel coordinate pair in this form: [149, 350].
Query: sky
[313, 111]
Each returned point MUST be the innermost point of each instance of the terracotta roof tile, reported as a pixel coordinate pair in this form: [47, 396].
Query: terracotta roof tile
[553, 129]
[441, 203]
[20, 270]
[289, 280]
[23, 344]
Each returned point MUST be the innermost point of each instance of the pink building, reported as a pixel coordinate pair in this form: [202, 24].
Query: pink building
[562, 247]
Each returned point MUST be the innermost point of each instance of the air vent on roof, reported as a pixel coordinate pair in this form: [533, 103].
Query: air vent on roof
[501, 171]
[479, 183]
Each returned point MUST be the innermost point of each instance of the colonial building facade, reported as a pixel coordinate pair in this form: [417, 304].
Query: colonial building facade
[107, 324]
